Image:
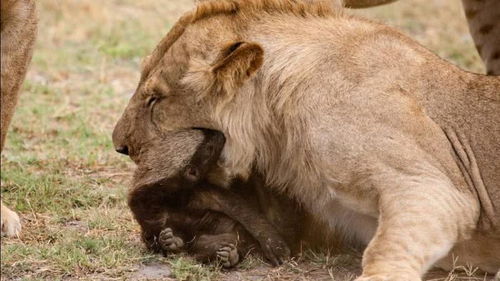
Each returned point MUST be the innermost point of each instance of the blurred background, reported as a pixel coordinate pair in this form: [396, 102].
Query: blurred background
[60, 171]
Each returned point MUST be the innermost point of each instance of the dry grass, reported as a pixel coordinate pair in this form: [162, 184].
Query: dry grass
[59, 169]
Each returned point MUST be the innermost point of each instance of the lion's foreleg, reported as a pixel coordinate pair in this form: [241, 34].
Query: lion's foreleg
[419, 222]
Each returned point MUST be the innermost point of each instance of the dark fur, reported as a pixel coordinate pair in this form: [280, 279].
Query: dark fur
[178, 211]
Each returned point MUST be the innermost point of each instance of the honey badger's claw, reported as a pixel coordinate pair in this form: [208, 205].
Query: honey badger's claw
[275, 250]
[227, 255]
[168, 242]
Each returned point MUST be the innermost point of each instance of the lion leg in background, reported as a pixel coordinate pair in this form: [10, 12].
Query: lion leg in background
[484, 25]
[483, 18]
[418, 224]
[11, 224]
[18, 25]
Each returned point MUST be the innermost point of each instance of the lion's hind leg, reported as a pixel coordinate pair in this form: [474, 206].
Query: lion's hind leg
[419, 222]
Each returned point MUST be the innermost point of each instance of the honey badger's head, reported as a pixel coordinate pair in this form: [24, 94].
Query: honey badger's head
[179, 159]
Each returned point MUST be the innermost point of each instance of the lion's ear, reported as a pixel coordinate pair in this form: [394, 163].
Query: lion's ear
[237, 62]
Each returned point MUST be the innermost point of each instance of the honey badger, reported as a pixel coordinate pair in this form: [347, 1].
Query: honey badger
[179, 211]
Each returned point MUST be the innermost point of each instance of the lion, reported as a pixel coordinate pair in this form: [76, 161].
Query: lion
[370, 131]
[18, 31]
[178, 211]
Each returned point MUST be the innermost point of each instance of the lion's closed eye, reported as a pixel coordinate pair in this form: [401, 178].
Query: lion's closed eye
[151, 100]
[154, 97]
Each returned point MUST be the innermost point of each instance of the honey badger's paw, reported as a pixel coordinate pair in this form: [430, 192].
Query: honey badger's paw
[388, 277]
[227, 255]
[169, 242]
[11, 224]
[497, 276]
[275, 250]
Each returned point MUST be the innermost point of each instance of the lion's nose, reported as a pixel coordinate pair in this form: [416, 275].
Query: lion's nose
[122, 149]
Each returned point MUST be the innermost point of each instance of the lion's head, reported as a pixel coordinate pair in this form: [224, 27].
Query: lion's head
[198, 65]
[205, 73]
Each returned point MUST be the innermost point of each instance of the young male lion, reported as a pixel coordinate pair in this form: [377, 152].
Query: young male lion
[370, 131]
[18, 31]
[178, 211]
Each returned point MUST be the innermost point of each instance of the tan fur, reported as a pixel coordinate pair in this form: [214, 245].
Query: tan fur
[483, 17]
[11, 224]
[18, 25]
[370, 131]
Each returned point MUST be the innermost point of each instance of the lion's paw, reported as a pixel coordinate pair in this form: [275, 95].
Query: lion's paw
[227, 255]
[169, 242]
[11, 224]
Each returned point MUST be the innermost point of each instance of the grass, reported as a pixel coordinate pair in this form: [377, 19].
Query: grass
[59, 170]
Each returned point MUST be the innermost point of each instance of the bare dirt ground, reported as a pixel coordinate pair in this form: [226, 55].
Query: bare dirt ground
[59, 170]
